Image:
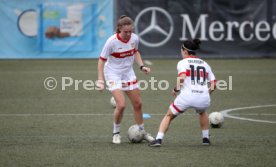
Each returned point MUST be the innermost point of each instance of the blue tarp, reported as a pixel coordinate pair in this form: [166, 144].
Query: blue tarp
[54, 28]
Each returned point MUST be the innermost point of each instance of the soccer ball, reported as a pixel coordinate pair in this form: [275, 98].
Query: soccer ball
[135, 134]
[112, 102]
[216, 119]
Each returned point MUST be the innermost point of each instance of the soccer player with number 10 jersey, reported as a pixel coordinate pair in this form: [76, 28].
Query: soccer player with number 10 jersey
[195, 82]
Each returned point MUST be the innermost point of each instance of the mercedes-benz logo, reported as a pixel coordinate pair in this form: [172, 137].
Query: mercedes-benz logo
[153, 26]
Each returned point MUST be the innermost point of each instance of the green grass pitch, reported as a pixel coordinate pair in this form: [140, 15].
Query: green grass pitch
[39, 127]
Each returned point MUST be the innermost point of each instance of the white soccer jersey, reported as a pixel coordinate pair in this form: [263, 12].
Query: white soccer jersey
[119, 54]
[194, 91]
[198, 74]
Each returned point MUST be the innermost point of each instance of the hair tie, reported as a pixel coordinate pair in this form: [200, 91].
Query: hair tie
[183, 46]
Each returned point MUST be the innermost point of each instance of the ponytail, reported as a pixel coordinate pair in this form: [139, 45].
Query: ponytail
[191, 46]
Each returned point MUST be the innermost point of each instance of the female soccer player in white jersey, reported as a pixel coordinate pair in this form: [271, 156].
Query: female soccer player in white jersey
[194, 76]
[116, 66]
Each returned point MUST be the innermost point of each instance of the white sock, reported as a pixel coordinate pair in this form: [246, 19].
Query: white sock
[141, 126]
[160, 135]
[116, 128]
[205, 133]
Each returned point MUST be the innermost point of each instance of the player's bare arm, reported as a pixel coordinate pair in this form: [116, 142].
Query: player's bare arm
[139, 61]
[212, 86]
[100, 82]
[179, 83]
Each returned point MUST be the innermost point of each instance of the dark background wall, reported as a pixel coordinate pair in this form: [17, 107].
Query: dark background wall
[230, 29]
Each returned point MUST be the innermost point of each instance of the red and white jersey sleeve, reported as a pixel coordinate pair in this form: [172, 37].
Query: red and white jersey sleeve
[210, 74]
[118, 53]
[182, 67]
[107, 49]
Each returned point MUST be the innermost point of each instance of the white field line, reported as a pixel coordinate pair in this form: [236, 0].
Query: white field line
[225, 113]
[97, 136]
[253, 72]
[101, 114]
[69, 114]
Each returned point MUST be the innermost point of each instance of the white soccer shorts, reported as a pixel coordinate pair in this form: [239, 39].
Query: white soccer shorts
[125, 80]
[182, 104]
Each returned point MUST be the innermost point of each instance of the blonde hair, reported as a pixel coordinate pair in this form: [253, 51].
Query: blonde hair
[123, 20]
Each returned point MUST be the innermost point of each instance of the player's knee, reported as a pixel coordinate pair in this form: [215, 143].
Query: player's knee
[170, 115]
[203, 114]
[137, 105]
[121, 106]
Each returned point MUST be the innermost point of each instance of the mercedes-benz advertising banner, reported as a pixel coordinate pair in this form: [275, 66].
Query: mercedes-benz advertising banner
[227, 29]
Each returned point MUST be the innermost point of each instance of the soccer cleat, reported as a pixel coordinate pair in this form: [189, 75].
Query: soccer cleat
[148, 137]
[155, 143]
[116, 139]
[206, 141]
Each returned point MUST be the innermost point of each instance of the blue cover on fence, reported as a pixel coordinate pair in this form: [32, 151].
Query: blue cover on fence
[54, 28]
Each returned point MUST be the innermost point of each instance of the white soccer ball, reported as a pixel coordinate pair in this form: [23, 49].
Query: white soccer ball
[216, 119]
[135, 134]
[113, 102]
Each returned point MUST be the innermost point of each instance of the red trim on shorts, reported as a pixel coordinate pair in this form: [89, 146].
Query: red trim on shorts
[121, 55]
[120, 39]
[104, 59]
[131, 83]
[126, 84]
[177, 109]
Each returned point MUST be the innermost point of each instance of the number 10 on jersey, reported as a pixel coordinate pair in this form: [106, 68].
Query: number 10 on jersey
[198, 75]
